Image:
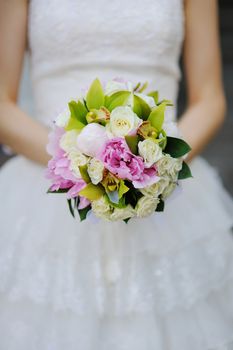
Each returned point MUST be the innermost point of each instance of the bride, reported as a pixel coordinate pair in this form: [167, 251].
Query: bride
[164, 282]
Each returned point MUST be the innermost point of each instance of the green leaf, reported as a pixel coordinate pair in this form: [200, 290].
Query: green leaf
[132, 142]
[176, 147]
[122, 189]
[155, 95]
[74, 124]
[185, 172]
[126, 220]
[166, 102]
[95, 95]
[78, 111]
[60, 190]
[83, 212]
[70, 207]
[84, 173]
[119, 98]
[157, 116]
[92, 192]
[160, 206]
[141, 108]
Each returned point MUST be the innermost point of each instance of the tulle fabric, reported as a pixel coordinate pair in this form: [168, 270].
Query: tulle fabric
[164, 282]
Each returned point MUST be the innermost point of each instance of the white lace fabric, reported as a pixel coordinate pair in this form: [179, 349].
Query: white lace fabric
[164, 282]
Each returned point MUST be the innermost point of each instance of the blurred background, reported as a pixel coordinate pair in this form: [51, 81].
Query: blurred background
[219, 151]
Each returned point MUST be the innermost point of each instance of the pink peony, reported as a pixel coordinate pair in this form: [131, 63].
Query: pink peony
[53, 147]
[119, 160]
[147, 178]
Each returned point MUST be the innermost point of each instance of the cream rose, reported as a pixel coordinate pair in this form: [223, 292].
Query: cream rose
[68, 141]
[168, 166]
[77, 159]
[63, 118]
[122, 213]
[156, 189]
[146, 205]
[101, 208]
[150, 152]
[122, 121]
[95, 170]
[168, 190]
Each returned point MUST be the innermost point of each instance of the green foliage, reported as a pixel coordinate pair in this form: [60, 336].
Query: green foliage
[132, 142]
[95, 95]
[83, 212]
[176, 147]
[60, 190]
[119, 98]
[156, 117]
[122, 189]
[78, 113]
[71, 209]
[160, 206]
[141, 108]
[185, 172]
[84, 173]
[92, 192]
[155, 95]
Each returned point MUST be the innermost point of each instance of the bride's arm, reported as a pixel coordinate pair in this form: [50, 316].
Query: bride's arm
[206, 100]
[17, 130]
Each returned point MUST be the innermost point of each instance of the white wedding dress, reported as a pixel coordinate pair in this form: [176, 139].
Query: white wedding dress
[164, 282]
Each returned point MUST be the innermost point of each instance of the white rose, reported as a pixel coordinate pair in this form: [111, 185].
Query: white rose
[169, 166]
[113, 86]
[101, 208]
[63, 118]
[146, 205]
[150, 152]
[77, 159]
[168, 190]
[123, 213]
[68, 141]
[123, 120]
[148, 99]
[95, 170]
[156, 189]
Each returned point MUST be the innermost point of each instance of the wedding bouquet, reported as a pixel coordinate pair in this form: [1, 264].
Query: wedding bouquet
[114, 155]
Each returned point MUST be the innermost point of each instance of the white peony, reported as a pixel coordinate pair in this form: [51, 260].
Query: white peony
[150, 151]
[169, 189]
[156, 189]
[91, 139]
[63, 118]
[123, 213]
[95, 170]
[113, 86]
[169, 166]
[101, 208]
[122, 121]
[146, 205]
[77, 159]
[68, 141]
[148, 99]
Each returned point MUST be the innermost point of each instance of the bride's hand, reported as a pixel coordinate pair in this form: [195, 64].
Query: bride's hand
[17, 130]
[206, 101]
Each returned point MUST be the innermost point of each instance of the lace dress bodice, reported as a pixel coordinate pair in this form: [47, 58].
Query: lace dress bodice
[72, 42]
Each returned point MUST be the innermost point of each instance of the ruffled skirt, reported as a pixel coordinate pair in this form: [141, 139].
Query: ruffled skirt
[164, 282]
